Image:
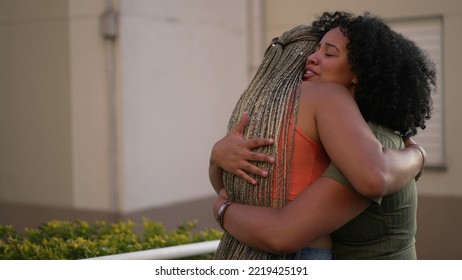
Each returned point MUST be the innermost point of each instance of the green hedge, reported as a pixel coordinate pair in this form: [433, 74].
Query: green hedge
[58, 240]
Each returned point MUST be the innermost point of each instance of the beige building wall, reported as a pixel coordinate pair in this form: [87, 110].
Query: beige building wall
[182, 72]
[93, 187]
[54, 115]
[94, 127]
[35, 107]
[440, 192]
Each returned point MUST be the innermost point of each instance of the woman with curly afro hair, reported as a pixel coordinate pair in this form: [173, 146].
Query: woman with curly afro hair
[358, 58]
[396, 77]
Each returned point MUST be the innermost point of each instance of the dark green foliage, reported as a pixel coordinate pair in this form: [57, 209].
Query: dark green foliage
[64, 240]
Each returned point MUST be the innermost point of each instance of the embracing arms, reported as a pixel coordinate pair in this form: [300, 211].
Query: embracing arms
[326, 205]
[372, 169]
[316, 212]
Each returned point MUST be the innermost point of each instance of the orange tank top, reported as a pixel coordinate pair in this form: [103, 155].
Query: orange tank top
[309, 160]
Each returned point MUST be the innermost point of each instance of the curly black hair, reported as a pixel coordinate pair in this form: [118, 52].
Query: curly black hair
[395, 77]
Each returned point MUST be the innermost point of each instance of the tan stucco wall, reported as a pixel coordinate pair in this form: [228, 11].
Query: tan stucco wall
[92, 124]
[53, 113]
[92, 151]
[182, 72]
[35, 124]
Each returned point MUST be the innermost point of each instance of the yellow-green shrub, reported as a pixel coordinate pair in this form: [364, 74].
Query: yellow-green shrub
[78, 240]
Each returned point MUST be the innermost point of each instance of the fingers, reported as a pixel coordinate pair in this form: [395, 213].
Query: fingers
[251, 143]
[256, 143]
[254, 156]
[249, 169]
[252, 169]
[246, 177]
[259, 142]
[239, 128]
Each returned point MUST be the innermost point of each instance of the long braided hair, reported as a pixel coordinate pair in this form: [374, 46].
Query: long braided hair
[271, 100]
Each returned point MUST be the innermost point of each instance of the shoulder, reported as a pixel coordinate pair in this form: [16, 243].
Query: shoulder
[386, 136]
[323, 87]
[325, 92]
[330, 98]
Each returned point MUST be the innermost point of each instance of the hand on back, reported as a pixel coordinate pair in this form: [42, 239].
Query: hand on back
[233, 153]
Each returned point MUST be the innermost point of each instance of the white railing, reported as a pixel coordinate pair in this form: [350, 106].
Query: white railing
[167, 253]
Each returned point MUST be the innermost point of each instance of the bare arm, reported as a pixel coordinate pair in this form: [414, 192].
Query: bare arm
[317, 211]
[373, 170]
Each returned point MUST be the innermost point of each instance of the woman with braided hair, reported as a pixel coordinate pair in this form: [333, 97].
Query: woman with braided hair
[301, 116]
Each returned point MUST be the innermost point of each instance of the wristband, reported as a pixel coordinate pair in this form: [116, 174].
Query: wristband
[221, 213]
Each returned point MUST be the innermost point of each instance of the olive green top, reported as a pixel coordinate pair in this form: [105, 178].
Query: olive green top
[385, 230]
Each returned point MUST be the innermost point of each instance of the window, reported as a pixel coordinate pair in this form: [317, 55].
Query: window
[427, 33]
